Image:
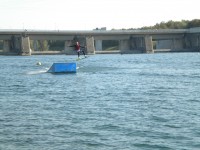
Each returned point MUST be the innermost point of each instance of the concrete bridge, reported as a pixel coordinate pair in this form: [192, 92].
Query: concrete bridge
[130, 41]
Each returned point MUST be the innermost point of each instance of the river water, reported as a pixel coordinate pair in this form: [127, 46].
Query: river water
[138, 101]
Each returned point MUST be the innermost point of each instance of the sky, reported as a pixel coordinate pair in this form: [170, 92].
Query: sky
[92, 14]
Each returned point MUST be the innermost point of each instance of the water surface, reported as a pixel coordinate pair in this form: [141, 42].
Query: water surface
[143, 101]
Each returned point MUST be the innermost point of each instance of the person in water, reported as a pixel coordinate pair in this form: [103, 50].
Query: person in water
[78, 49]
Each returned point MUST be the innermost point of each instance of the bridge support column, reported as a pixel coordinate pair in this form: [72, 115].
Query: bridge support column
[90, 45]
[148, 44]
[98, 45]
[6, 46]
[26, 50]
[124, 45]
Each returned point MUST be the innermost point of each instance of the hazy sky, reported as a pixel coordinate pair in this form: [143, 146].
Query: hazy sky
[90, 14]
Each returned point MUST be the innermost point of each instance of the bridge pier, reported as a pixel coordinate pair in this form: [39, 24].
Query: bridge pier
[17, 45]
[148, 44]
[25, 48]
[12, 45]
[90, 45]
[124, 45]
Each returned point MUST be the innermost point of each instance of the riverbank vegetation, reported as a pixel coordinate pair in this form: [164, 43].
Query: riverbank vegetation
[183, 24]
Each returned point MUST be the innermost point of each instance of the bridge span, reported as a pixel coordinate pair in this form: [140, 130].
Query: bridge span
[130, 41]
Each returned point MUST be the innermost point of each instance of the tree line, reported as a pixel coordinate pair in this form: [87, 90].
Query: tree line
[183, 24]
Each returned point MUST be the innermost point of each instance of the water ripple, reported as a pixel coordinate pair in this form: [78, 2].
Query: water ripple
[112, 102]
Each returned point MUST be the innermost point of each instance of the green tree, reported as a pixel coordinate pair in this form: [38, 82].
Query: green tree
[194, 23]
[183, 24]
[43, 45]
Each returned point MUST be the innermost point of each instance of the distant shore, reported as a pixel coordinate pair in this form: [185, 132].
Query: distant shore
[97, 52]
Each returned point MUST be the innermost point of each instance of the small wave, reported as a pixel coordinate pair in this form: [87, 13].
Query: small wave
[36, 72]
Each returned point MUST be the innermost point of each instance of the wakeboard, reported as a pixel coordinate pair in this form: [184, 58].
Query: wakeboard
[80, 58]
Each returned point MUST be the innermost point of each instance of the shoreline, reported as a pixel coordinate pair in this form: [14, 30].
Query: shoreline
[58, 53]
[98, 52]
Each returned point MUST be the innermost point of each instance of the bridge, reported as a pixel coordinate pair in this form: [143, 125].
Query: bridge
[130, 41]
